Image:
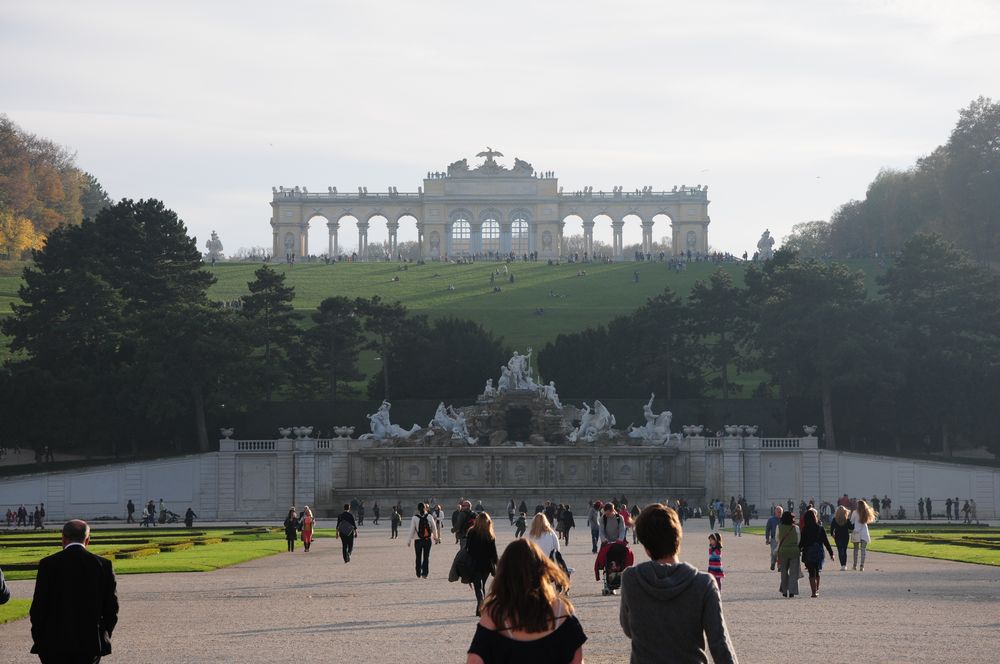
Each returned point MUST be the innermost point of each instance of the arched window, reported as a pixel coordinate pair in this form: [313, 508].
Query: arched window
[491, 235]
[461, 234]
[519, 236]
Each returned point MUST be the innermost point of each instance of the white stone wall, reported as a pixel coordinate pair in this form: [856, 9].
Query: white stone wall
[261, 479]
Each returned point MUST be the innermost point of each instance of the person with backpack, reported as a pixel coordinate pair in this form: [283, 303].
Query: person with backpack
[423, 532]
[347, 530]
[395, 522]
[612, 525]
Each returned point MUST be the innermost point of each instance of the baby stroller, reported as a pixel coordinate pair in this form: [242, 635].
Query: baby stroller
[612, 560]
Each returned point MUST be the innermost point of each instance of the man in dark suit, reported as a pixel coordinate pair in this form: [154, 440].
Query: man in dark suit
[75, 607]
[4, 592]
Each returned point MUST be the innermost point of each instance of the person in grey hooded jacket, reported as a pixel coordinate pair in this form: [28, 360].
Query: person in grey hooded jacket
[669, 608]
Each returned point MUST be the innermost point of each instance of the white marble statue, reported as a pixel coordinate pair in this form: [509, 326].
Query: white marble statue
[550, 393]
[657, 427]
[382, 428]
[765, 246]
[214, 246]
[461, 430]
[489, 391]
[442, 419]
[593, 423]
[503, 384]
[520, 371]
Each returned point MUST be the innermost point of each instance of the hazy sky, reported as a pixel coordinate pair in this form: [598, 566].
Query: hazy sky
[785, 109]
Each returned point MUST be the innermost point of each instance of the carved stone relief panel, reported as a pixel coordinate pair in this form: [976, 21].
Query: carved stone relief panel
[520, 471]
[414, 471]
[466, 470]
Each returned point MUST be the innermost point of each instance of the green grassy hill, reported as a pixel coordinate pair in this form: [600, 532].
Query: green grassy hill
[569, 302]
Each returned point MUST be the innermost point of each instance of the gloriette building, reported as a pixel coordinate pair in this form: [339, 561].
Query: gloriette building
[487, 209]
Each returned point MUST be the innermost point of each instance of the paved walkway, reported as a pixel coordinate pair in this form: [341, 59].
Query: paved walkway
[313, 608]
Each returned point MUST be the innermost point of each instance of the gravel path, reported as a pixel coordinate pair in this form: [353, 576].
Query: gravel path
[314, 608]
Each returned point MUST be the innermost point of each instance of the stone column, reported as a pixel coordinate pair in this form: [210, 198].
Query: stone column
[420, 240]
[393, 227]
[447, 240]
[304, 238]
[363, 240]
[334, 228]
[647, 236]
[476, 237]
[588, 238]
[617, 244]
[505, 237]
[559, 238]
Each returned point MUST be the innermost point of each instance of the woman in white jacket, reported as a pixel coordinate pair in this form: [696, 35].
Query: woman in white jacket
[860, 518]
[541, 533]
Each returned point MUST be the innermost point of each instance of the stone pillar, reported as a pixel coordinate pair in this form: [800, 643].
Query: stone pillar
[420, 240]
[447, 240]
[647, 236]
[588, 238]
[505, 237]
[559, 238]
[393, 228]
[304, 238]
[363, 240]
[476, 237]
[334, 228]
[617, 243]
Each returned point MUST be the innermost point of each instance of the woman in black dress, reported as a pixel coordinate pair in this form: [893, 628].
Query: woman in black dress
[481, 543]
[526, 618]
[291, 528]
[840, 528]
[811, 543]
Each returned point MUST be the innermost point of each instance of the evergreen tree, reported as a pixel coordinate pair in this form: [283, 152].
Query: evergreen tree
[268, 307]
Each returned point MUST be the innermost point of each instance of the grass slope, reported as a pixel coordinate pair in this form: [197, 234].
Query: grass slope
[15, 609]
[605, 292]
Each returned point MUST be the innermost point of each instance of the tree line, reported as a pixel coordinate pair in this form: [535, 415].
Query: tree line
[954, 191]
[117, 347]
[915, 366]
[40, 188]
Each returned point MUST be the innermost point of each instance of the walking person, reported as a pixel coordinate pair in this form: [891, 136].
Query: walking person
[920, 506]
[347, 530]
[423, 532]
[527, 618]
[510, 511]
[308, 524]
[594, 521]
[481, 542]
[635, 515]
[520, 525]
[811, 543]
[463, 520]
[568, 522]
[75, 605]
[612, 525]
[394, 522]
[627, 518]
[788, 555]
[860, 518]
[669, 609]
[711, 518]
[737, 519]
[715, 559]
[189, 517]
[543, 535]
[771, 533]
[840, 529]
[130, 508]
[376, 511]
[291, 528]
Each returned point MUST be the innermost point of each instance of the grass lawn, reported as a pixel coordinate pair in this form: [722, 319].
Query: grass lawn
[13, 610]
[238, 547]
[981, 545]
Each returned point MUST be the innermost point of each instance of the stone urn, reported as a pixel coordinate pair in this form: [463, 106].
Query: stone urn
[284, 431]
[698, 429]
[810, 429]
[227, 433]
[343, 432]
[732, 430]
[302, 432]
[753, 430]
[687, 429]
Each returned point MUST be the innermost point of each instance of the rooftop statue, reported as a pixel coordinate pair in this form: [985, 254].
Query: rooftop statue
[214, 246]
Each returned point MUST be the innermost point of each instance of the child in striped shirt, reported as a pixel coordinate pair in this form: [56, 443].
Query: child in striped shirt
[715, 559]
